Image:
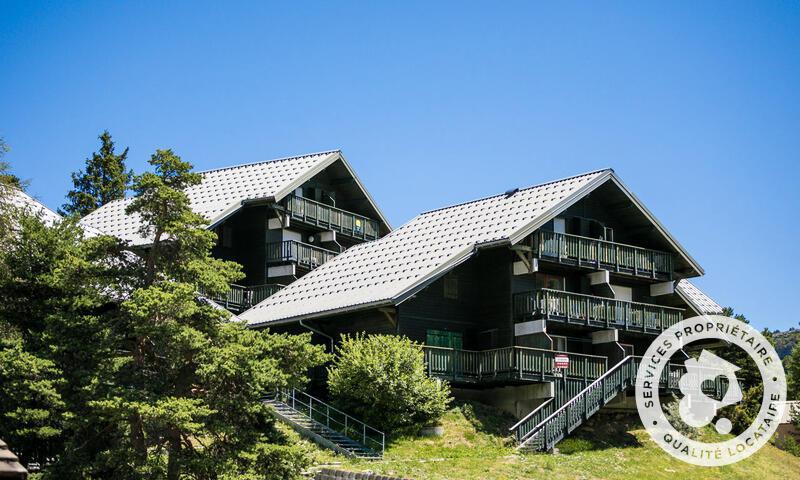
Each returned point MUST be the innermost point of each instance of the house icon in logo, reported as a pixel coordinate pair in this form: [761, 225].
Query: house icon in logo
[698, 409]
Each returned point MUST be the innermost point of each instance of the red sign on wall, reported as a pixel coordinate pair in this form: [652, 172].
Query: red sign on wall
[561, 361]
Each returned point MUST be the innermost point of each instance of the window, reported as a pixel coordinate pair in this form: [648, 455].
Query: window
[553, 282]
[451, 286]
[559, 343]
[444, 338]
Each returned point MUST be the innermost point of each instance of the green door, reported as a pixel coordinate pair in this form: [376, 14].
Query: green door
[444, 338]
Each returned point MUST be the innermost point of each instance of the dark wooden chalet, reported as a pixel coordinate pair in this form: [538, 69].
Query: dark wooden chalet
[498, 288]
[279, 219]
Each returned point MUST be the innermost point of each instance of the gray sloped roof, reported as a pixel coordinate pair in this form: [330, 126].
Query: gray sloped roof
[20, 199]
[223, 191]
[9, 464]
[696, 298]
[386, 270]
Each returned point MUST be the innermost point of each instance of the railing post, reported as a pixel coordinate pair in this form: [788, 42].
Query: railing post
[653, 263]
[585, 370]
[588, 309]
[453, 361]
[541, 369]
[547, 305]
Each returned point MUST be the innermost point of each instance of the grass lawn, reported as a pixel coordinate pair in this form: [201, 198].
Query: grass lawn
[476, 446]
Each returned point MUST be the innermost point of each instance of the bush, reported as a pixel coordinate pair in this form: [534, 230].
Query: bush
[267, 461]
[672, 412]
[381, 380]
[744, 413]
[788, 444]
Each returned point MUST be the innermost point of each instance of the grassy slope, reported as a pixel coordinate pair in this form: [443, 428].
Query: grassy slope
[475, 447]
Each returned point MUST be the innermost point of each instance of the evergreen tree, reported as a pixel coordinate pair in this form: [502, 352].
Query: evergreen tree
[187, 386]
[791, 364]
[105, 179]
[112, 366]
[6, 177]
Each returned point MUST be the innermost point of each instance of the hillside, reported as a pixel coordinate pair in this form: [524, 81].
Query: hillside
[609, 447]
[784, 341]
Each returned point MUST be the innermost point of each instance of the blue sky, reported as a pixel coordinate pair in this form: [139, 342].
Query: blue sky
[697, 107]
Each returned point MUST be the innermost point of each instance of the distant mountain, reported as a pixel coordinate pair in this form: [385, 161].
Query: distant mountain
[784, 341]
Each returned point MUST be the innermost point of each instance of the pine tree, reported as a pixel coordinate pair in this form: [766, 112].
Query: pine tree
[6, 177]
[113, 367]
[186, 391]
[105, 179]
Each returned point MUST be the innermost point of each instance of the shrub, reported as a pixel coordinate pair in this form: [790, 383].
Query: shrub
[381, 379]
[788, 444]
[266, 461]
[671, 411]
[744, 413]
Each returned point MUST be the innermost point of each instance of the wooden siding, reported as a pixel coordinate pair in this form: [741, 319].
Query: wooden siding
[481, 311]
[248, 228]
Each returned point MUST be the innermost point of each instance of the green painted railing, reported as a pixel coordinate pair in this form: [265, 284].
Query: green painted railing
[547, 424]
[580, 309]
[602, 254]
[303, 254]
[332, 218]
[508, 363]
[586, 403]
[671, 377]
[239, 297]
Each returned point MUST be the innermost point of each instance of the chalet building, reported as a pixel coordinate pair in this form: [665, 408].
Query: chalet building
[279, 219]
[537, 300]
[501, 290]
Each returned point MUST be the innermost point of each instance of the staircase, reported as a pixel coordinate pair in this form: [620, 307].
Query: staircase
[548, 424]
[327, 426]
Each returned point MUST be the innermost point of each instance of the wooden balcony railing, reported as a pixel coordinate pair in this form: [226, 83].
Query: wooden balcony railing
[601, 254]
[579, 309]
[308, 256]
[325, 216]
[239, 298]
[670, 378]
[508, 363]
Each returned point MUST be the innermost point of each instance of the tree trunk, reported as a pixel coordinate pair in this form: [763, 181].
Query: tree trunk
[173, 463]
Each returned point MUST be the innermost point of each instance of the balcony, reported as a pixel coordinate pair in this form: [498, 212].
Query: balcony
[327, 217]
[589, 310]
[303, 254]
[239, 298]
[508, 363]
[604, 255]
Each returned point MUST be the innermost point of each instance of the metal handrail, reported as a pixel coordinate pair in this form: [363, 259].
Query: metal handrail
[300, 252]
[594, 309]
[244, 296]
[334, 218]
[516, 347]
[523, 439]
[533, 412]
[601, 253]
[513, 361]
[653, 305]
[347, 427]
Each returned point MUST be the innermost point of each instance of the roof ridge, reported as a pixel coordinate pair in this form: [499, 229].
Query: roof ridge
[520, 190]
[37, 201]
[282, 159]
[203, 172]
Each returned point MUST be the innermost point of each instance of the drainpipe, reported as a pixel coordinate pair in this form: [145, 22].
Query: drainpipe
[318, 332]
